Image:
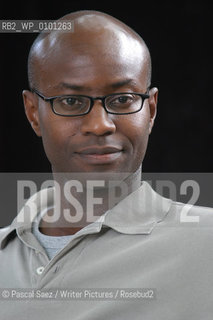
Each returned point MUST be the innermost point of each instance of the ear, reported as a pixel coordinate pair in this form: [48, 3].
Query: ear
[31, 110]
[153, 99]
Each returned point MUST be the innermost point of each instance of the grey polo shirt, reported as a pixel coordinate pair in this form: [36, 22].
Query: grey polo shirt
[138, 262]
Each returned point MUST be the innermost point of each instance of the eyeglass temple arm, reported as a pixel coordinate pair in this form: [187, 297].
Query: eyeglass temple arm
[40, 95]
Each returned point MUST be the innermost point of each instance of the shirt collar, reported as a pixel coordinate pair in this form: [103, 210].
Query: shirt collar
[138, 213]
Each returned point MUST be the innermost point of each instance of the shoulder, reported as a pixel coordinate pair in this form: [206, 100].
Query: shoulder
[4, 235]
[5, 230]
[186, 212]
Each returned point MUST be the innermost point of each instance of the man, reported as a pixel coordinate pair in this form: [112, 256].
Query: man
[130, 256]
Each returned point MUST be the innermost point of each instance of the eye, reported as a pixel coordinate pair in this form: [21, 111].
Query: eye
[71, 101]
[124, 99]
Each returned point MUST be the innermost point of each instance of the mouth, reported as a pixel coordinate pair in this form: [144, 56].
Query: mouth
[100, 155]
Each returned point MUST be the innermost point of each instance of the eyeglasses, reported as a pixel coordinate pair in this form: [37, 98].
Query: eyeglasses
[79, 105]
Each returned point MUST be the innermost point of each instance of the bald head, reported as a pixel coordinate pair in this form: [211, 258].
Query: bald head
[94, 32]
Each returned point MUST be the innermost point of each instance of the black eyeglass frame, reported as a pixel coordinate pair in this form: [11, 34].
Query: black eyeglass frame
[144, 96]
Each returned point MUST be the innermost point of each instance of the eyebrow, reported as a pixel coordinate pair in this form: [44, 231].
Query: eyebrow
[115, 85]
[122, 83]
[64, 85]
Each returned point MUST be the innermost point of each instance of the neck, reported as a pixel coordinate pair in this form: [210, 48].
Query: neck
[82, 199]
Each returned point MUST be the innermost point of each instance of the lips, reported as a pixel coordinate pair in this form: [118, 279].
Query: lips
[99, 150]
[99, 155]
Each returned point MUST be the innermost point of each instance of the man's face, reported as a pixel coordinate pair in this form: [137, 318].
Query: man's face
[98, 141]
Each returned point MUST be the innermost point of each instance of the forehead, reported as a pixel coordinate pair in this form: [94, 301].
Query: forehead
[86, 57]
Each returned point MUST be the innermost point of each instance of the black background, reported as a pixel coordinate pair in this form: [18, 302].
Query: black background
[179, 36]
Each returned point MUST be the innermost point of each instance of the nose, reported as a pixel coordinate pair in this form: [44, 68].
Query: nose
[97, 121]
